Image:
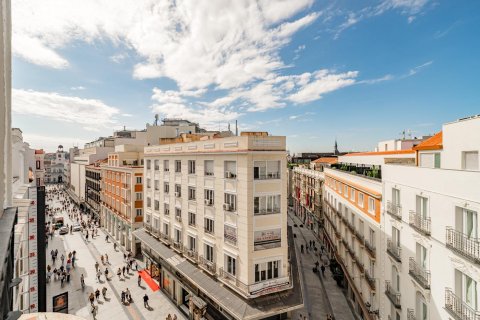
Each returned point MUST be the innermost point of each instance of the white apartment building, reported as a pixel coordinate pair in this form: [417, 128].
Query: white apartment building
[432, 266]
[216, 225]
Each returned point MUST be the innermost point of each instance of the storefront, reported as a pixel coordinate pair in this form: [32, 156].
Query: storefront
[153, 269]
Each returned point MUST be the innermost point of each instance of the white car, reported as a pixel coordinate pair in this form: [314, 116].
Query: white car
[77, 227]
[63, 230]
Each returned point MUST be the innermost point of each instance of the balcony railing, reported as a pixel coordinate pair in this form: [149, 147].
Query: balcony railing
[462, 244]
[232, 280]
[393, 295]
[178, 246]
[421, 275]
[271, 175]
[370, 280]
[190, 254]
[178, 218]
[394, 251]
[458, 308]
[207, 265]
[419, 223]
[411, 314]
[266, 211]
[395, 210]
[370, 248]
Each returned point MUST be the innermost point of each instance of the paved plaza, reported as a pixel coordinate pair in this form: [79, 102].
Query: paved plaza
[89, 252]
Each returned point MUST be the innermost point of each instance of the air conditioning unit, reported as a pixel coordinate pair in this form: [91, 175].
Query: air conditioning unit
[208, 202]
[227, 207]
[177, 194]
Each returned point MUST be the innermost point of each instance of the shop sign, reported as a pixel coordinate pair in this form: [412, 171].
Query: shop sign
[267, 239]
[60, 303]
[269, 286]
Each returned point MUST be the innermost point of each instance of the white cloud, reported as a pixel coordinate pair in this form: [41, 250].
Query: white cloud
[89, 113]
[77, 88]
[119, 57]
[195, 43]
[50, 143]
[417, 69]
[377, 80]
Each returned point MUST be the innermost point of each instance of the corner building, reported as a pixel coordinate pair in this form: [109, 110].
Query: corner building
[216, 224]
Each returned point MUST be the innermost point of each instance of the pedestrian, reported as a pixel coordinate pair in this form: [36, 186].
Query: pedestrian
[115, 246]
[128, 297]
[119, 273]
[99, 274]
[128, 268]
[106, 238]
[73, 262]
[301, 248]
[169, 317]
[82, 280]
[91, 297]
[104, 293]
[68, 277]
[323, 270]
[106, 273]
[96, 265]
[145, 301]
[139, 280]
[174, 317]
[97, 294]
[123, 271]
[62, 257]
[122, 296]
[61, 280]
[101, 258]
[106, 258]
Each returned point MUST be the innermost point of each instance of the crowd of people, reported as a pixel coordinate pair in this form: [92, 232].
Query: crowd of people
[62, 265]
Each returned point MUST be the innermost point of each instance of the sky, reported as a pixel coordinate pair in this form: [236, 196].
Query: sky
[314, 71]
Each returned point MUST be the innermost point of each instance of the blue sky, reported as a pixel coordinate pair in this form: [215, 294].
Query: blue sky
[358, 71]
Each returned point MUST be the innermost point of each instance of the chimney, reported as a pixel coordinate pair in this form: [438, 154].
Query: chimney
[236, 127]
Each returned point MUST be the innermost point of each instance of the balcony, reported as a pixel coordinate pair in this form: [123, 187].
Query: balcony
[367, 171]
[209, 266]
[164, 237]
[267, 176]
[463, 245]
[394, 251]
[370, 249]
[395, 210]
[177, 246]
[370, 280]
[232, 280]
[420, 275]
[459, 309]
[350, 226]
[411, 314]
[393, 295]
[419, 223]
[178, 218]
[190, 254]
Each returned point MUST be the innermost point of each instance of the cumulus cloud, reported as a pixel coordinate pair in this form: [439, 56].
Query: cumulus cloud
[91, 114]
[50, 143]
[77, 88]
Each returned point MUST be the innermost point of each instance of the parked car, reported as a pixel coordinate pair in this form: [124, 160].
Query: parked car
[77, 227]
[63, 230]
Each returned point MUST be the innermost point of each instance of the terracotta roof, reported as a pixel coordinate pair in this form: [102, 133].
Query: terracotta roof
[330, 160]
[433, 143]
[380, 153]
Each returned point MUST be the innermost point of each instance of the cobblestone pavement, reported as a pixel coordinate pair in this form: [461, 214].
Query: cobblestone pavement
[89, 252]
[322, 295]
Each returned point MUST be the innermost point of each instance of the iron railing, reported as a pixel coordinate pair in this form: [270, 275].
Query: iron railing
[458, 308]
[232, 280]
[178, 246]
[190, 254]
[207, 265]
[418, 273]
[395, 210]
[370, 280]
[393, 295]
[370, 248]
[394, 250]
[419, 223]
[411, 314]
[463, 244]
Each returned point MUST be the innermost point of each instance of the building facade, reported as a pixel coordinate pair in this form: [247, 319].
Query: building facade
[432, 269]
[220, 206]
[93, 177]
[122, 195]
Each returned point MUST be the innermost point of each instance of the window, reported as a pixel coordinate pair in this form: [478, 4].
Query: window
[230, 202]
[421, 256]
[340, 188]
[466, 288]
[422, 207]
[166, 166]
[147, 219]
[166, 209]
[149, 202]
[192, 193]
[166, 187]
[371, 205]
[139, 180]
[470, 160]
[209, 197]
[138, 196]
[346, 190]
[209, 225]
[209, 253]
[209, 168]
[37, 164]
[178, 190]
[230, 234]
[149, 183]
[157, 205]
[138, 212]
[360, 200]
[421, 310]
[267, 270]
[395, 197]
[149, 164]
[166, 229]
[156, 223]
[230, 265]
[266, 170]
[157, 185]
[230, 169]
[191, 166]
[396, 237]
[178, 214]
[371, 238]
[178, 236]
[192, 219]
[352, 194]
[266, 204]
[157, 165]
[430, 160]
[178, 166]
[192, 243]
[469, 221]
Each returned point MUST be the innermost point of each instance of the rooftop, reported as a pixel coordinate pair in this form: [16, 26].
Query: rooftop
[379, 153]
[330, 160]
[433, 143]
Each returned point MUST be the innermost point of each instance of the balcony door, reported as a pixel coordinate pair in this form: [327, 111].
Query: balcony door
[421, 310]
[395, 197]
[470, 223]
[395, 279]
[467, 288]
[422, 207]
[421, 256]
[396, 237]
